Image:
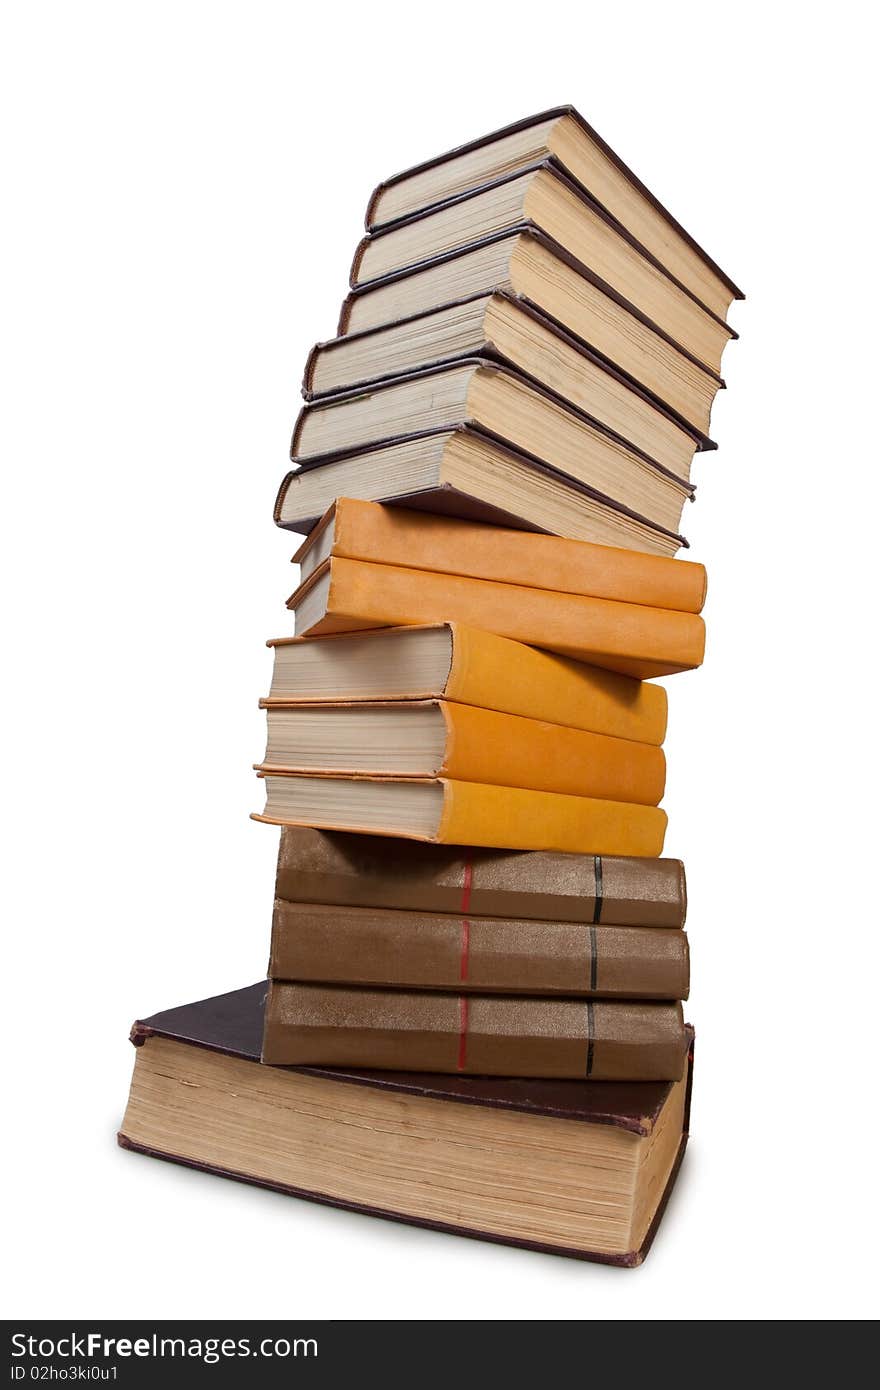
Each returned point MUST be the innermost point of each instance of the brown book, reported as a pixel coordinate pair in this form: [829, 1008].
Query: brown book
[588, 1166]
[473, 1035]
[317, 866]
[384, 947]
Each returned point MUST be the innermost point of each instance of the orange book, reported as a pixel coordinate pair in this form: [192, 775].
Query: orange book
[345, 595]
[356, 530]
[465, 813]
[453, 662]
[435, 738]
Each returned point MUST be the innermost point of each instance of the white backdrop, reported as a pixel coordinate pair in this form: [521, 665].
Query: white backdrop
[185, 187]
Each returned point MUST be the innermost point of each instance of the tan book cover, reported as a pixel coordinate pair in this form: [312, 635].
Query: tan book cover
[321, 943]
[479, 1035]
[320, 866]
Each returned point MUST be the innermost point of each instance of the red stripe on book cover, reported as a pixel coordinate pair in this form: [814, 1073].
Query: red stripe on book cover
[465, 922]
[462, 1033]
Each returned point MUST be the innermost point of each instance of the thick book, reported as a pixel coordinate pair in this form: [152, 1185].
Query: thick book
[469, 667]
[561, 134]
[384, 947]
[541, 273]
[545, 197]
[502, 328]
[446, 812]
[474, 1034]
[588, 1166]
[316, 866]
[438, 738]
[507, 406]
[356, 530]
[635, 640]
[466, 475]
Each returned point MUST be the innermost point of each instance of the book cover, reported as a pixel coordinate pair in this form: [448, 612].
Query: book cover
[472, 668]
[629, 638]
[366, 531]
[603, 175]
[319, 866]
[463, 743]
[446, 812]
[385, 947]
[474, 1034]
[229, 1028]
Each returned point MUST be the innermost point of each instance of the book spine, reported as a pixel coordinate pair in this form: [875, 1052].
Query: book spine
[623, 637]
[493, 673]
[515, 818]
[481, 1035]
[507, 750]
[354, 273]
[279, 500]
[309, 371]
[315, 943]
[342, 869]
[368, 532]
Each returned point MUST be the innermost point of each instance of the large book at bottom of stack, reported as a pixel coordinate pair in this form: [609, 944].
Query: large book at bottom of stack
[574, 1168]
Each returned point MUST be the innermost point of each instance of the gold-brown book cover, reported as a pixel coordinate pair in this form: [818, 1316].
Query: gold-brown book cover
[326, 866]
[473, 1035]
[384, 947]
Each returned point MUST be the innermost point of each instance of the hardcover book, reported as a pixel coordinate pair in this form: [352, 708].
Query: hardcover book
[507, 406]
[383, 947]
[542, 274]
[469, 667]
[502, 328]
[316, 866]
[544, 196]
[466, 474]
[634, 640]
[438, 738]
[561, 134]
[474, 1034]
[355, 530]
[586, 1167]
[443, 811]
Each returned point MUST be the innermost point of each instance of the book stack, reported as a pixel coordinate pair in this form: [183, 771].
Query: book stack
[474, 932]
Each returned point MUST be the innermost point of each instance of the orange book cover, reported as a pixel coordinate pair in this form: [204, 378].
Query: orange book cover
[345, 595]
[357, 530]
[472, 813]
[484, 670]
[477, 745]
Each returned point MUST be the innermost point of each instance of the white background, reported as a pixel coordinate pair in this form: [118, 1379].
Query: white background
[184, 186]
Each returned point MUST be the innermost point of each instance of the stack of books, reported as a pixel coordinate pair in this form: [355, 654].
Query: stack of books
[473, 1018]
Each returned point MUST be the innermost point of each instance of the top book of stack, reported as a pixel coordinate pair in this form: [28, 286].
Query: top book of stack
[529, 332]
